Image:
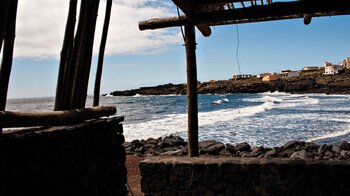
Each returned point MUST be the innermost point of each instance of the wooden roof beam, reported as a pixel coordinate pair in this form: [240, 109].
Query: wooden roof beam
[186, 8]
[274, 11]
[208, 2]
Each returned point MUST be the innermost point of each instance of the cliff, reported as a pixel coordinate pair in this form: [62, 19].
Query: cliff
[329, 84]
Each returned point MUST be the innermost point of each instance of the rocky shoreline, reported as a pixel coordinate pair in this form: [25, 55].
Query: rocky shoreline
[329, 84]
[177, 146]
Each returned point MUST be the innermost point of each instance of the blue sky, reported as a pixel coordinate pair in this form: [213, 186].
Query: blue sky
[142, 58]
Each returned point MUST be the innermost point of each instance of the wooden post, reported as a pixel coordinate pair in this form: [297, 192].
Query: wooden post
[190, 42]
[6, 64]
[4, 9]
[101, 53]
[83, 55]
[65, 60]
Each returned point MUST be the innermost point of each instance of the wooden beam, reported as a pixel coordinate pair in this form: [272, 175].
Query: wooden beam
[190, 43]
[186, 7]
[102, 53]
[260, 13]
[159, 23]
[7, 54]
[275, 10]
[4, 9]
[208, 2]
[53, 118]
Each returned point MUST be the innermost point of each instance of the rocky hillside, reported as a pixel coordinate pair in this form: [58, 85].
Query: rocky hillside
[338, 84]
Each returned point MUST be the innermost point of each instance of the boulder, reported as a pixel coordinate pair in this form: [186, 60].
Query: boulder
[344, 154]
[293, 144]
[336, 148]
[257, 151]
[152, 141]
[242, 147]
[344, 146]
[171, 141]
[322, 149]
[271, 153]
[135, 144]
[302, 154]
[211, 147]
[231, 149]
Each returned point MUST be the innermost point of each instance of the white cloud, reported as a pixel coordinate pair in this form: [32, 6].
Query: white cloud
[41, 25]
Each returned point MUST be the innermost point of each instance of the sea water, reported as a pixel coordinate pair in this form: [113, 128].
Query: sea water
[266, 119]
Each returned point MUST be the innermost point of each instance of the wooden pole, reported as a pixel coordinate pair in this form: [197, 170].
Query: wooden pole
[101, 53]
[84, 54]
[6, 64]
[190, 42]
[53, 118]
[65, 60]
[4, 9]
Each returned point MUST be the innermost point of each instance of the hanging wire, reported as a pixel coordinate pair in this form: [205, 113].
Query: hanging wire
[239, 67]
[237, 50]
[182, 31]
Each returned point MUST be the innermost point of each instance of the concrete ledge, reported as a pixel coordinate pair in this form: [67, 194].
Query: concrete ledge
[243, 176]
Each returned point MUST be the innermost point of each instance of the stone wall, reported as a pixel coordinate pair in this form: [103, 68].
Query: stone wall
[243, 176]
[83, 159]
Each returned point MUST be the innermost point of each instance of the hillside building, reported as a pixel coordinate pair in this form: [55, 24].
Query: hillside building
[331, 69]
[272, 77]
[346, 63]
[289, 74]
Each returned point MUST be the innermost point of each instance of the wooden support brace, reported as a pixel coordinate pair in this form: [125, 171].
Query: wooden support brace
[190, 43]
[186, 8]
[53, 118]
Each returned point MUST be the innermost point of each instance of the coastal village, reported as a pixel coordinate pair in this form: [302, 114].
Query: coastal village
[327, 69]
[329, 78]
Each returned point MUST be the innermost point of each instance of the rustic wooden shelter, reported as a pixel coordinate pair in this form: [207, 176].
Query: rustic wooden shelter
[206, 13]
[74, 67]
[76, 53]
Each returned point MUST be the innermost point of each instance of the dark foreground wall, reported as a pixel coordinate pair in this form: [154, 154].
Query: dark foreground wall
[83, 159]
[243, 176]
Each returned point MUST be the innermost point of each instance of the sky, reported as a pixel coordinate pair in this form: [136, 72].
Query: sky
[137, 58]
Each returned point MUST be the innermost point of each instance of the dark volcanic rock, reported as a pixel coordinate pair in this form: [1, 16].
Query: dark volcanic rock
[344, 145]
[292, 144]
[299, 155]
[211, 147]
[242, 147]
[337, 84]
[176, 146]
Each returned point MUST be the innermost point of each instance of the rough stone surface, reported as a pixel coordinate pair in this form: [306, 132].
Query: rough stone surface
[318, 83]
[211, 147]
[243, 147]
[83, 159]
[176, 146]
[243, 176]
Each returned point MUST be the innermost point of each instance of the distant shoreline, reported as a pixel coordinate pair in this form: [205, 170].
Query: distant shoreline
[326, 84]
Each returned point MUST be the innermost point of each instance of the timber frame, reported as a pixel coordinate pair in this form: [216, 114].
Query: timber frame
[74, 67]
[206, 13]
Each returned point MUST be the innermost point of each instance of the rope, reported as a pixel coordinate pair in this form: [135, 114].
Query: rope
[182, 31]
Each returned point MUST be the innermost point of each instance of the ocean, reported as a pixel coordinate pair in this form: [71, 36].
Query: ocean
[262, 119]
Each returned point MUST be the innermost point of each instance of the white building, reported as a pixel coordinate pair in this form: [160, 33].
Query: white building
[263, 75]
[289, 74]
[331, 69]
